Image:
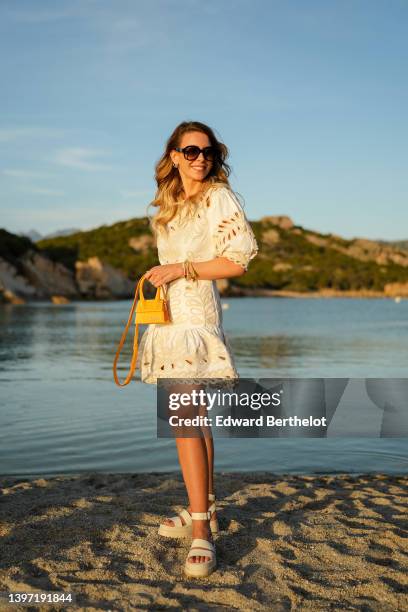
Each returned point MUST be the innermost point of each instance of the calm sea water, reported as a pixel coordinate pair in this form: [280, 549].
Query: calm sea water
[60, 411]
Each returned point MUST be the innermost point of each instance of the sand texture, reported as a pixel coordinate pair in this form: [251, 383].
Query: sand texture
[335, 542]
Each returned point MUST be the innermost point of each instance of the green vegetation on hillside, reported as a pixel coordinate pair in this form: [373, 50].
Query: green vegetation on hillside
[314, 267]
[109, 243]
[12, 247]
[287, 258]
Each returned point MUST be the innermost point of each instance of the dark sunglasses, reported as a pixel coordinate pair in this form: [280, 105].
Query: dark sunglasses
[192, 152]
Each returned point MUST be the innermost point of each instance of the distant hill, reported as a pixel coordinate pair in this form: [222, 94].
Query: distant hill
[36, 236]
[117, 244]
[396, 244]
[33, 235]
[291, 257]
[105, 262]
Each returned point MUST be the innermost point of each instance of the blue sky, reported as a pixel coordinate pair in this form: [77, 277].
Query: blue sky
[309, 96]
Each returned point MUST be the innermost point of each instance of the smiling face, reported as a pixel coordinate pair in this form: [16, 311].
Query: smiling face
[198, 169]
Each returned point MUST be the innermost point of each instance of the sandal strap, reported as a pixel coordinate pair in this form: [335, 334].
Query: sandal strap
[204, 543]
[186, 516]
[211, 497]
[203, 547]
[176, 520]
[201, 516]
[212, 508]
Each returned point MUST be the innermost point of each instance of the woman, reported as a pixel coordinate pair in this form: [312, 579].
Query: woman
[202, 235]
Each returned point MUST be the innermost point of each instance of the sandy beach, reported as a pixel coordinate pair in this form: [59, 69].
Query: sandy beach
[335, 542]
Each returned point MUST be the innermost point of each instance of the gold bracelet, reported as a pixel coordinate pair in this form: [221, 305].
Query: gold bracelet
[185, 268]
[194, 272]
[191, 272]
[188, 270]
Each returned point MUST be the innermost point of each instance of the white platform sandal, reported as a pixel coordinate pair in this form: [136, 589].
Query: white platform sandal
[200, 548]
[185, 531]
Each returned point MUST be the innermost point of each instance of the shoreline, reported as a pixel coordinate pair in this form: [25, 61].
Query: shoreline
[326, 293]
[305, 542]
[231, 294]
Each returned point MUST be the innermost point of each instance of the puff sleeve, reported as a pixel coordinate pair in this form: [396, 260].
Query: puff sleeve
[231, 234]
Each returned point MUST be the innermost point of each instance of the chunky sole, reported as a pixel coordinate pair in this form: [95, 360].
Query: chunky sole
[186, 531]
[200, 570]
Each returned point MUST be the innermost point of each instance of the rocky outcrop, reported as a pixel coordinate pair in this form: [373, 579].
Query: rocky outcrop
[142, 243]
[270, 237]
[59, 299]
[98, 280]
[360, 248]
[282, 266]
[13, 283]
[282, 221]
[34, 276]
[369, 250]
[317, 240]
[396, 289]
[48, 277]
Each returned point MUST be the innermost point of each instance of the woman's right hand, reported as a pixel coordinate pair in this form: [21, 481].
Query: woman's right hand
[160, 275]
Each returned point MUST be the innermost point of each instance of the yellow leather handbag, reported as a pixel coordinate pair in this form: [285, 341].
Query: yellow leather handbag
[147, 311]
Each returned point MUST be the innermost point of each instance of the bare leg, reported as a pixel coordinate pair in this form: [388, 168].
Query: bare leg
[194, 465]
[196, 458]
[209, 448]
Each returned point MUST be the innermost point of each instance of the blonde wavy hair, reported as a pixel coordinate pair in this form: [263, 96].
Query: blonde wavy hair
[168, 197]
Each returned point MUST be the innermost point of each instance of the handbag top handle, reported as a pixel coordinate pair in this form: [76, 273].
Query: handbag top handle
[142, 297]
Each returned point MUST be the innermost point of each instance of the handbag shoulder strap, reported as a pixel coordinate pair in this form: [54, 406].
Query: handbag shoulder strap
[122, 342]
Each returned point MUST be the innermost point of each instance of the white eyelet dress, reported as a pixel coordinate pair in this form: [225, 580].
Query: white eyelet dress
[194, 346]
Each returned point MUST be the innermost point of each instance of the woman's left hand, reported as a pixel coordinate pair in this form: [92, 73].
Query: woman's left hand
[159, 275]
